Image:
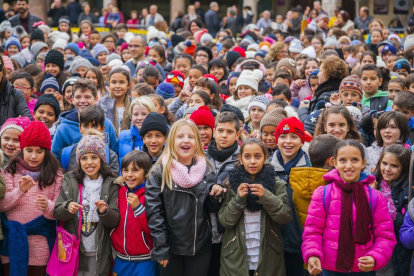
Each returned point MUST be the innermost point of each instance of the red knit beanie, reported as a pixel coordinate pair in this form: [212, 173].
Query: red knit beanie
[240, 50]
[203, 117]
[291, 125]
[210, 76]
[36, 134]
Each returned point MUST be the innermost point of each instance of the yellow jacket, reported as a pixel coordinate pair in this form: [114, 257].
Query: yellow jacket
[331, 22]
[304, 182]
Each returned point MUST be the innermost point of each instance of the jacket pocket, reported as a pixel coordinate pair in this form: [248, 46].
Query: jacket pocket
[145, 240]
[274, 241]
[229, 247]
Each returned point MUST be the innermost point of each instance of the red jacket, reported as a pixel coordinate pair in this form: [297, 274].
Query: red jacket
[132, 238]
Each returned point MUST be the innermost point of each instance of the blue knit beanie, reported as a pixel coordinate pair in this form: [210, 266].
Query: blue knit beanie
[313, 73]
[49, 82]
[99, 48]
[166, 90]
[73, 47]
[13, 41]
[86, 54]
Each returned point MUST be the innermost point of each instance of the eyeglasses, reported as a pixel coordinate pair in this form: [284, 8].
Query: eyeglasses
[202, 56]
[23, 88]
[316, 43]
[134, 46]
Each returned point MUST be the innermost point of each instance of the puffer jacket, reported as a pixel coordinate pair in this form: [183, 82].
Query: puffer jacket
[12, 104]
[321, 232]
[126, 142]
[300, 92]
[178, 218]
[304, 182]
[407, 231]
[107, 221]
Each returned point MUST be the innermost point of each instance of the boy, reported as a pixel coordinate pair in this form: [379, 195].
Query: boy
[282, 77]
[92, 117]
[304, 181]
[270, 71]
[133, 257]
[402, 67]
[268, 126]
[222, 153]
[47, 110]
[395, 86]
[374, 98]
[176, 78]
[154, 131]
[84, 94]
[121, 30]
[409, 83]
[404, 103]
[49, 85]
[282, 92]
[94, 39]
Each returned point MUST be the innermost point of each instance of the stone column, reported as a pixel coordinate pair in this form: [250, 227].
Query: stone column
[175, 7]
[330, 5]
[253, 4]
[39, 8]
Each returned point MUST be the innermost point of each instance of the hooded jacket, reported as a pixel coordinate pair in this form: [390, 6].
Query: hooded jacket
[321, 232]
[374, 102]
[12, 104]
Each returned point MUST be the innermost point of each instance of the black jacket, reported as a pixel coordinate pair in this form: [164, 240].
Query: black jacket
[15, 21]
[56, 14]
[12, 104]
[178, 218]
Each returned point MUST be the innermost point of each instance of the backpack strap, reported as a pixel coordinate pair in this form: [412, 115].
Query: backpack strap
[65, 157]
[107, 154]
[373, 202]
[326, 199]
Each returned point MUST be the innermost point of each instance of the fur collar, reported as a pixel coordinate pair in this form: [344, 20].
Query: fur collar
[266, 177]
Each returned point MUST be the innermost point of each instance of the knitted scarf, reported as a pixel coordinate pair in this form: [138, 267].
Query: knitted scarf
[223, 154]
[292, 163]
[26, 169]
[387, 192]
[266, 177]
[352, 192]
[184, 178]
[91, 194]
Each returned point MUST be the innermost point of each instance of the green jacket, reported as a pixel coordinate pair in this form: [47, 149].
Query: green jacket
[367, 101]
[234, 260]
[107, 221]
[2, 193]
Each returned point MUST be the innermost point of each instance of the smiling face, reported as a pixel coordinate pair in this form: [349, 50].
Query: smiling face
[82, 100]
[10, 144]
[33, 156]
[185, 145]
[24, 86]
[390, 134]
[90, 164]
[289, 145]
[13, 50]
[244, 91]
[310, 67]
[268, 136]
[119, 85]
[253, 158]
[154, 140]
[183, 65]
[349, 163]
[133, 175]
[52, 69]
[193, 76]
[337, 126]
[46, 114]
[390, 167]
[139, 113]
[218, 72]
[102, 58]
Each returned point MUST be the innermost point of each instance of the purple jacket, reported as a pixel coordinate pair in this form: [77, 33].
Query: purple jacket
[407, 235]
[321, 232]
[300, 92]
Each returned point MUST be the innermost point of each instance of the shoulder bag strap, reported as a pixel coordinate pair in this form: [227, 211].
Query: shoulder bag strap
[80, 211]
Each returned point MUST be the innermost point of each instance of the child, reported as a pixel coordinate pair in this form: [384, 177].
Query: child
[222, 154]
[304, 181]
[409, 83]
[162, 108]
[125, 52]
[256, 111]
[404, 103]
[121, 30]
[282, 92]
[176, 78]
[131, 139]
[33, 181]
[200, 98]
[232, 82]
[91, 122]
[181, 188]
[204, 120]
[402, 67]
[282, 77]
[254, 206]
[313, 81]
[54, 64]
[218, 68]
[268, 126]
[183, 63]
[195, 74]
[100, 52]
[157, 54]
[134, 257]
[392, 178]
[348, 207]
[67, 92]
[117, 103]
[302, 89]
[151, 76]
[47, 110]
[95, 75]
[141, 89]
[67, 133]
[391, 128]
[246, 89]
[25, 83]
[85, 32]
[373, 98]
[154, 133]
[94, 38]
[9, 136]
[98, 205]
[395, 86]
[350, 91]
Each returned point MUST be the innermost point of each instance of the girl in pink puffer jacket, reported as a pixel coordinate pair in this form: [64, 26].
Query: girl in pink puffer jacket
[356, 233]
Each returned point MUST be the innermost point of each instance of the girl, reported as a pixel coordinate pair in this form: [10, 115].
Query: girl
[130, 139]
[109, 41]
[232, 82]
[195, 74]
[161, 108]
[157, 53]
[350, 206]
[25, 83]
[54, 64]
[9, 137]
[200, 98]
[218, 68]
[85, 29]
[25, 41]
[290, 137]
[140, 71]
[181, 188]
[317, 44]
[98, 206]
[392, 178]
[183, 63]
[125, 53]
[100, 52]
[256, 110]
[205, 122]
[151, 76]
[117, 103]
[391, 128]
[67, 93]
[300, 88]
[33, 181]
[64, 27]
[338, 122]
[254, 206]
[246, 88]
[368, 57]
[95, 75]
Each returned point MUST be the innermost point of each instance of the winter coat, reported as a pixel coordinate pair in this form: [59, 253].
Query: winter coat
[108, 105]
[2, 193]
[375, 101]
[276, 211]
[68, 133]
[304, 182]
[157, 17]
[15, 21]
[126, 142]
[107, 221]
[241, 104]
[190, 207]
[291, 232]
[132, 237]
[12, 104]
[407, 231]
[185, 22]
[300, 92]
[212, 22]
[56, 14]
[73, 9]
[91, 17]
[321, 232]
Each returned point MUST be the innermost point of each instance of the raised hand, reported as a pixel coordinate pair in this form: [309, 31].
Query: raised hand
[41, 203]
[25, 183]
[102, 206]
[133, 200]
[243, 189]
[74, 207]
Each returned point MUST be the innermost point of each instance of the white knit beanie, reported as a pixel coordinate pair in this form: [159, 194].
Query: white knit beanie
[331, 41]
[409, 42]
[260, 101]
[152, 33]
[309, 51]
[250, 78]
[60, 43]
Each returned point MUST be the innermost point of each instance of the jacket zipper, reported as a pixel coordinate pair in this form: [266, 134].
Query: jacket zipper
[230, 241]
[125, 224]
[274, 233]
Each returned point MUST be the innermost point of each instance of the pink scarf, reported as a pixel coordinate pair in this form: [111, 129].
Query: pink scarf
[386, 191]
[184, 178]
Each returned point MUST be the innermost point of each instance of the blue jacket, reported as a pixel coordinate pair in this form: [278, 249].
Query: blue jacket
[132, 67]
[212, 22]
[68, 133]
[126, 141]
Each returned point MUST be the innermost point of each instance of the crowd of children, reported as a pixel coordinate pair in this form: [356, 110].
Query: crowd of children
[181, 154]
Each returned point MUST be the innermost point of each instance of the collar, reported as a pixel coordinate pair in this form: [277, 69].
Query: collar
[135, 188]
